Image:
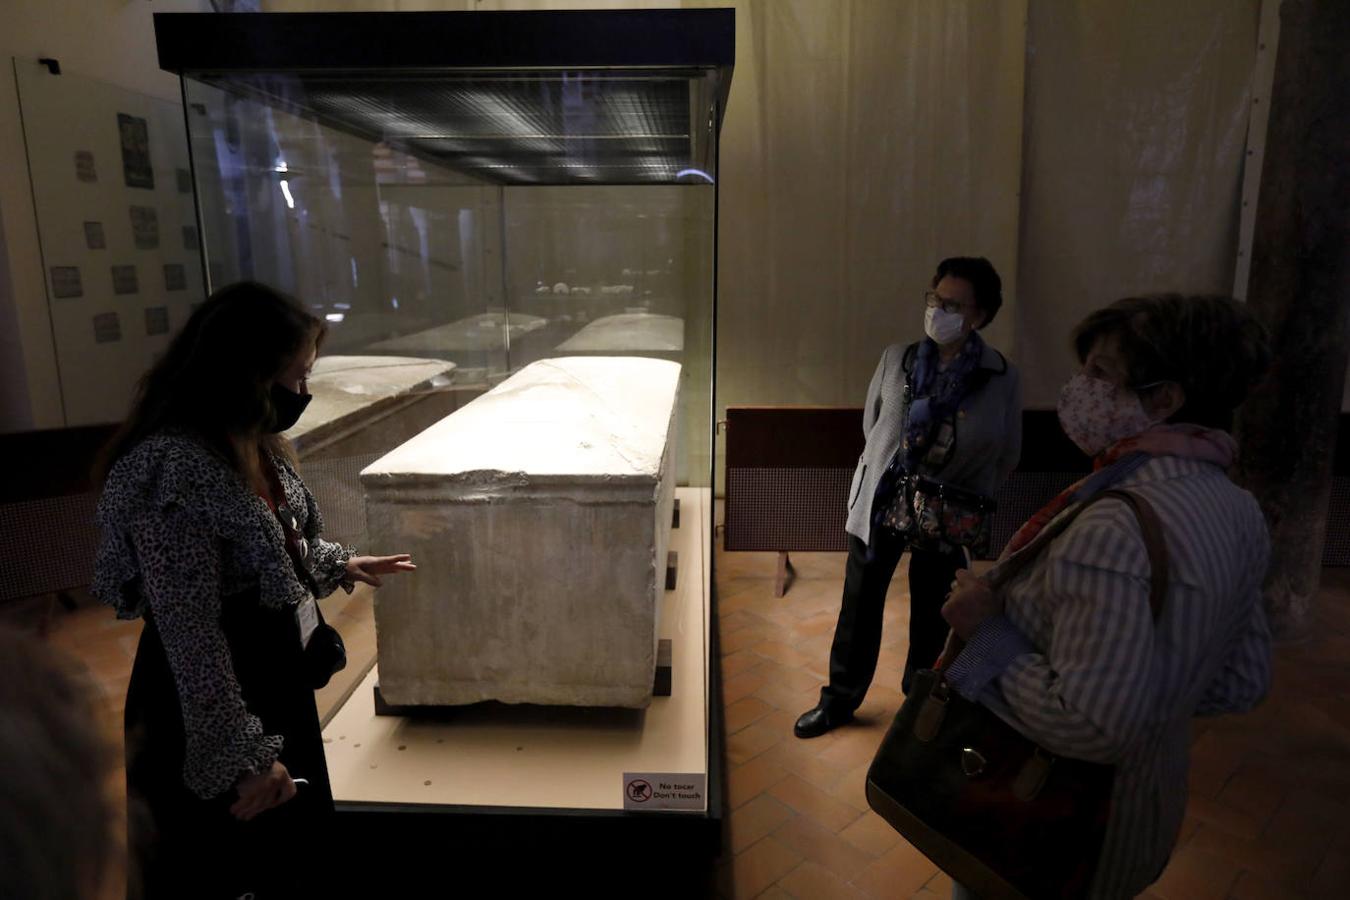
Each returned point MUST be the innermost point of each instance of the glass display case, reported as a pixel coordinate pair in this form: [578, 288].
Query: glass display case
[433, 195]
[459, 195]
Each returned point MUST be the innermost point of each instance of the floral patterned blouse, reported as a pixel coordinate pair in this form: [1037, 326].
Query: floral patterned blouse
[181, 533]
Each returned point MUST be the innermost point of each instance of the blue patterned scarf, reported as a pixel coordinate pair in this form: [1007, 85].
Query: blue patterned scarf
[932, 396]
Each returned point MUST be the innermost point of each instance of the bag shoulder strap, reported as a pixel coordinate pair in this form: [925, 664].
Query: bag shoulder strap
[908, 359]
[1150, 527]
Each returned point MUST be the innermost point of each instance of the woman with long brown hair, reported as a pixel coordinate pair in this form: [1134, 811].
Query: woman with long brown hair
[211, 537]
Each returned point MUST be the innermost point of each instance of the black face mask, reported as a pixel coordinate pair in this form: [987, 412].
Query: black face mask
[287, 407]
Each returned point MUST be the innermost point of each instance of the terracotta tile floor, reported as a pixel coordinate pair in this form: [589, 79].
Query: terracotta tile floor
[1269, 813]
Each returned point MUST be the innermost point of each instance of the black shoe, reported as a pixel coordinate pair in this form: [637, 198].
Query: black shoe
[815, 722]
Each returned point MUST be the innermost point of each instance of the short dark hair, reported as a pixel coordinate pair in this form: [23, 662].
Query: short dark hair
[983, 279]
[1210, 345]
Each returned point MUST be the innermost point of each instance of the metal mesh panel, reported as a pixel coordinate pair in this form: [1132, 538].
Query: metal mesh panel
[48, 545]
[787, 508]
[336, 485]
[1336, 552]
[1020, 497]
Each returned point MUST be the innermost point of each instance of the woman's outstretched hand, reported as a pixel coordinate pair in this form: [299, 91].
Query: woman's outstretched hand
[369, 568]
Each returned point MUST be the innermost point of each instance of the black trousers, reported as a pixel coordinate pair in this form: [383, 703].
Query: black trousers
[187, 847]
[857, 636]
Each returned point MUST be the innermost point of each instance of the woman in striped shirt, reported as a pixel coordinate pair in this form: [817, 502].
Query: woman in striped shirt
[1068, 652]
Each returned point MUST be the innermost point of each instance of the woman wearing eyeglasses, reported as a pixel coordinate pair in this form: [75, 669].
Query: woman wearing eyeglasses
[943, 423]
[1072, 651]
[210, 536]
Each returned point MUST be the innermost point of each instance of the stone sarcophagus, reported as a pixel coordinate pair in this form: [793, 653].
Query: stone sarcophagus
[353, 393]
[539, 517]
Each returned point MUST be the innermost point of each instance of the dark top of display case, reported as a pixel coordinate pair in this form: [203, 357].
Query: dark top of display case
[435, 40]
[556, 97]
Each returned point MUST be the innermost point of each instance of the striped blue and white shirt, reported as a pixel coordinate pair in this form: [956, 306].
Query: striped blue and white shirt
[1077, 663]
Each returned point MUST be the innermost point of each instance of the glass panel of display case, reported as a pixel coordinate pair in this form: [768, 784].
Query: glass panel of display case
[399, 256]
[489, 221]
[508, 222]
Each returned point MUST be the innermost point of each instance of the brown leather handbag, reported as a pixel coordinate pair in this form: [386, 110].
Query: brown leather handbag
[996, 812]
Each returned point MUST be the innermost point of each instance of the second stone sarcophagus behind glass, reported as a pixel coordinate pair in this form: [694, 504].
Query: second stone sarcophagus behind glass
[539, 517]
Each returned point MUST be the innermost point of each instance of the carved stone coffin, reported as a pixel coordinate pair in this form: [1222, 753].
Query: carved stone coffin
[352, 393]
[539, 518]
[640, 333]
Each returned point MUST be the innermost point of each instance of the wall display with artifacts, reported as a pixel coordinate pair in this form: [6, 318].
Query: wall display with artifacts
[157, 320]
[66, 282]
[107, 328]
[124, 280]
[85, 170]
[137, 170]
[124, 230]
[94, 237]
[569, 463]
[144, 227]
[175, 277]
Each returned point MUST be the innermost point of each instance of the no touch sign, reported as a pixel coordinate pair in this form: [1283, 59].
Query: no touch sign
[665, 790]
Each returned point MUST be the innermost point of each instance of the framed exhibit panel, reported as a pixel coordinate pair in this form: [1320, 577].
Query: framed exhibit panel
[508, 194]
[113, 195]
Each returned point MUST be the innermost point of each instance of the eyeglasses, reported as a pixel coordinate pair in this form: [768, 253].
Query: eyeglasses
[934, 300]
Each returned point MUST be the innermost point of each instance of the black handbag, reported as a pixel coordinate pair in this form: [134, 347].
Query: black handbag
[995, 811]
[931, 513]
[325, 654]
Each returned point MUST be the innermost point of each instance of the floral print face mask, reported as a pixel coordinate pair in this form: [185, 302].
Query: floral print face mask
[1096, 414]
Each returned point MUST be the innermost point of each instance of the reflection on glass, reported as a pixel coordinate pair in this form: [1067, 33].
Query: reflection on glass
[484, 223]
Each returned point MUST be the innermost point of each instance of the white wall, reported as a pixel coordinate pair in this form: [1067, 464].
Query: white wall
[110, 40]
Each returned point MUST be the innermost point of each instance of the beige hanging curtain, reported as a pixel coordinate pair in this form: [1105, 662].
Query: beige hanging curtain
[863, 142]
[1136, 129]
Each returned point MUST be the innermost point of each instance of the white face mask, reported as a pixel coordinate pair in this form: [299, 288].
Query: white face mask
[942, 326]
[1095, 413]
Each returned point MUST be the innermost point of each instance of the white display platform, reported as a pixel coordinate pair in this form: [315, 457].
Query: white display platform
[496, 756]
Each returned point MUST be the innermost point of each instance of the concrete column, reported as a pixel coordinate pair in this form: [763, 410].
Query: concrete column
[1300, 289]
